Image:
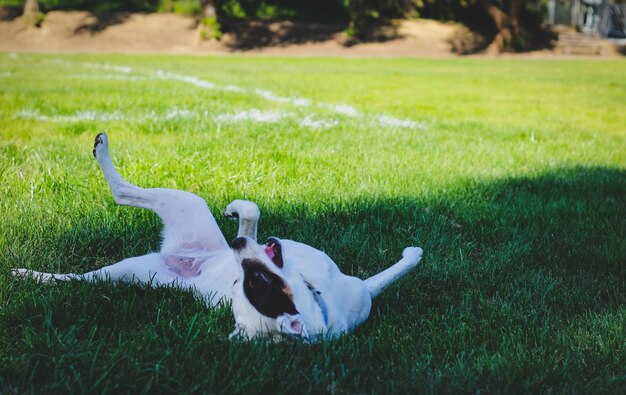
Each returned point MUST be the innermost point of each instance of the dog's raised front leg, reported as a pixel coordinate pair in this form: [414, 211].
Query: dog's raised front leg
[248, 214]
[376, 284]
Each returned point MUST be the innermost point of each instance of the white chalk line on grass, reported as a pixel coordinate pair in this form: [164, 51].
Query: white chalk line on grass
[200, 83]
[310, 122]
[78, 116]
[341, 109]
[253, 115]
[344, 110]
[92, 115]
[111, 76]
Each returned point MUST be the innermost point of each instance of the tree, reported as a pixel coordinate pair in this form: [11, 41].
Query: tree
[512, 24]
[364, 13]
[31, 14]
[207, 8]
[505, 17]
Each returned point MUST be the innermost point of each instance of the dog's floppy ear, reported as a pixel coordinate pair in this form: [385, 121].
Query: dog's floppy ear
[292, 325]
[274, 251]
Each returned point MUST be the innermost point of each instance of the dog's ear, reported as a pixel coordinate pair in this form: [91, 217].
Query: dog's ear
[274, 251]
[292, 325]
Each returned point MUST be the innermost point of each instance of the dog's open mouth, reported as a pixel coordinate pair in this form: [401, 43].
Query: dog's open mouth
[274, 251]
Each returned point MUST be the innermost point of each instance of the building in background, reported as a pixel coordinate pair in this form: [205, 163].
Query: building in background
[604, 18]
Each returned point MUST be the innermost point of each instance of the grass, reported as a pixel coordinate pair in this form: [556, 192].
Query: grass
[509, 173]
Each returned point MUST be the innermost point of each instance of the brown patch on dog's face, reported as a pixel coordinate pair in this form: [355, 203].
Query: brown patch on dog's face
[266, 291]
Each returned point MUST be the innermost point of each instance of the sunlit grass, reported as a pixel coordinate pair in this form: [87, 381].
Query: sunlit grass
[510, 175]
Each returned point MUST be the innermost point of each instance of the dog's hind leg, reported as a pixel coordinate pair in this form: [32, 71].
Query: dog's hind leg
[411, 256]
[187, 220]
[42, 277]
[248, 214]
[145, 269]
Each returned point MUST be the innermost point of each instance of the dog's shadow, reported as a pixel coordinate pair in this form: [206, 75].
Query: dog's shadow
[534, 243]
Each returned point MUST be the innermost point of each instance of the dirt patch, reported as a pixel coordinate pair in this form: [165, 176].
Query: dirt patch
[84, 32]
[78, 31]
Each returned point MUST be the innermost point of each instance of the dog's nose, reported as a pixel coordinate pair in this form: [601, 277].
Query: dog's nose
[238, 243]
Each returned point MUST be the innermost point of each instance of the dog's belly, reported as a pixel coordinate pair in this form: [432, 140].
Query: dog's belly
[210, 274]
[184, 266]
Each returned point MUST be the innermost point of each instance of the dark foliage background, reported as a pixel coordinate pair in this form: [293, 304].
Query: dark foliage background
[511, 25]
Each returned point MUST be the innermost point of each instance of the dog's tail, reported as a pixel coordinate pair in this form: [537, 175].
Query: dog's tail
[377, 283]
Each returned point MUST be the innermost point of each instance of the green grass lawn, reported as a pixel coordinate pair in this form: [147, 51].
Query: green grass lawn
[509, 173]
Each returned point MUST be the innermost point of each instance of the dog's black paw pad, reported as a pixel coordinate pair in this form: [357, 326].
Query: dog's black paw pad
[99, 140]
[231, 214]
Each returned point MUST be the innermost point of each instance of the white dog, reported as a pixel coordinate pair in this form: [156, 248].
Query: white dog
[282, 287]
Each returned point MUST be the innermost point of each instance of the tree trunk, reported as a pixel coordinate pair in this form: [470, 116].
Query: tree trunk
[358, 17]
[207, 8]
[31, 13]
[507, 25]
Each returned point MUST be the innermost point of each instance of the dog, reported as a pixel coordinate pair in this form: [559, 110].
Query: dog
[282, 287]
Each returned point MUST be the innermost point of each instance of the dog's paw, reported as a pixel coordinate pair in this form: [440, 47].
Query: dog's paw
[37, 276]
[413, 253]
[230, 213]
[242, 209]
[28, 273]
[21, 273]
[101, 144]
[239, 333]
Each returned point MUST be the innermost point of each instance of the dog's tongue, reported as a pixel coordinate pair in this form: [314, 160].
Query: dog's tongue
[269, 250]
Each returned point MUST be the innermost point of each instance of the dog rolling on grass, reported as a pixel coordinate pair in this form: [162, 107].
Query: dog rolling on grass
[282, 287]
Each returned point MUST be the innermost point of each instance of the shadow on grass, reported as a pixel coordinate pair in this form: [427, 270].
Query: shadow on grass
[567, 222]
[517, 258]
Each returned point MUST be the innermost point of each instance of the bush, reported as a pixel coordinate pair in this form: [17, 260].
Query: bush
[101, 6]
[320, 10]
[182, 7]
[211, 28]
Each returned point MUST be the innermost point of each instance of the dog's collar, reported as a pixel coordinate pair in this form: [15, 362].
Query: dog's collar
[317, 296]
